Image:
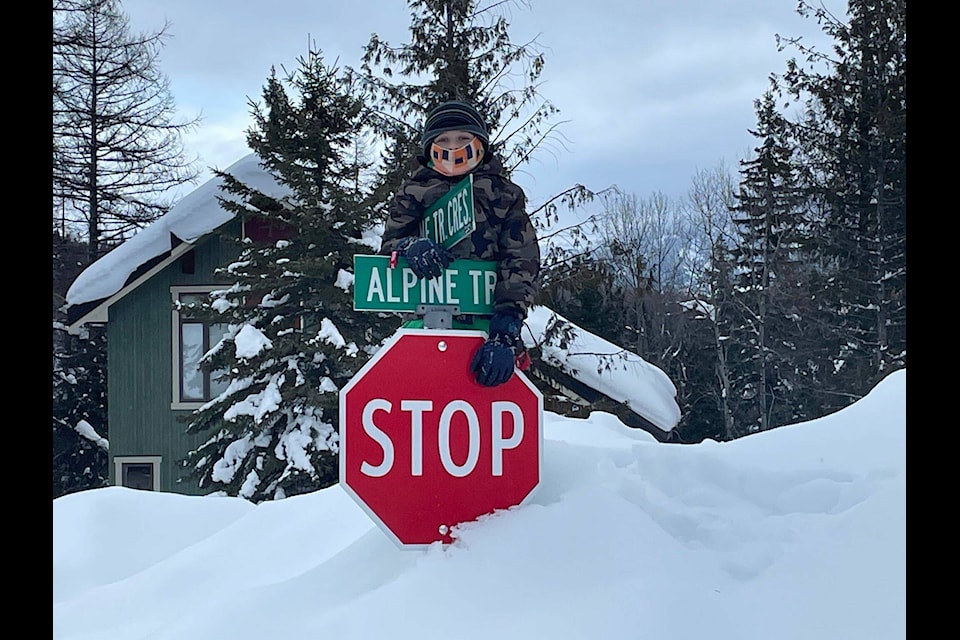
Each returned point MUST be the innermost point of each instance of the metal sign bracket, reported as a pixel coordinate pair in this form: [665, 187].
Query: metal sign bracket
[438, 316]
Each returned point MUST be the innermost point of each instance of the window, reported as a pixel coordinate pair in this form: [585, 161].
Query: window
[138, 472]
[266, 230]
[191, 340]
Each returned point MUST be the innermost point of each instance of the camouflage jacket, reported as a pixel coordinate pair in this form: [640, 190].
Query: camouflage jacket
[504, 233]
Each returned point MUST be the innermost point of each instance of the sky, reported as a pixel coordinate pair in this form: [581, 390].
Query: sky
[794, 533]
[650, 92]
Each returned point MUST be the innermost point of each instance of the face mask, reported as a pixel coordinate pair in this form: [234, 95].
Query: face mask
[456, 162]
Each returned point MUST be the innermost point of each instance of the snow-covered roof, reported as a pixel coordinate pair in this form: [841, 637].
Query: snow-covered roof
[630, 379]
[644, 388]
[194, 216]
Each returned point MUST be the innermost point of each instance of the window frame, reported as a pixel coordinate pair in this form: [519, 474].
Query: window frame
[153, 461]
[176, 292]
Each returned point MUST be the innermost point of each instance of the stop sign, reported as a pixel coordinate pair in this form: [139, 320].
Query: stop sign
[423, 446]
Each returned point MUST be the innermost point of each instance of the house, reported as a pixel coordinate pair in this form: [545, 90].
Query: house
[153, 350]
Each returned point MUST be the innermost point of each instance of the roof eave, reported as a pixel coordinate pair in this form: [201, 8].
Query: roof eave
[100, 314]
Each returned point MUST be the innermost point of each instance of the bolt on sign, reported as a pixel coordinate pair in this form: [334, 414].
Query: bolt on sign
[424, 446]
[468, 284]
[452, 217]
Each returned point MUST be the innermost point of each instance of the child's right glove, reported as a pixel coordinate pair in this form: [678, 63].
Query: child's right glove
[427, 258]
[494, 361]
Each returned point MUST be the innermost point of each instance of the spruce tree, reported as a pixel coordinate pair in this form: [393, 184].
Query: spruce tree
[590, 297]
[771, 289]
[80, 452]
[292, 338]
[853, 138]
[461, 50]
[80, 459]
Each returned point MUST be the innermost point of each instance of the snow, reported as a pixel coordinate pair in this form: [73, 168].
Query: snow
[250, 342]
[646, 389]
[794, 533]
[86, 430]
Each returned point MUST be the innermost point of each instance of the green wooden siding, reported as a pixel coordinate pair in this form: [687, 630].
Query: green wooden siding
[140, 368]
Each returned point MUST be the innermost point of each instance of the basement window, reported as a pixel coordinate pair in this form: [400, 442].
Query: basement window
[138, 472]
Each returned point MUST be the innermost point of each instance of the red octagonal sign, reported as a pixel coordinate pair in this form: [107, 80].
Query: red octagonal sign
[424, 447]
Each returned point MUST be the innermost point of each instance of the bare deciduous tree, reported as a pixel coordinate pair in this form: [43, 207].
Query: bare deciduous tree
[117, 148]
[708, 211]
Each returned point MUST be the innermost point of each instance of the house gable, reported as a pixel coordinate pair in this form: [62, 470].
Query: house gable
[97, 311]
[143, 419]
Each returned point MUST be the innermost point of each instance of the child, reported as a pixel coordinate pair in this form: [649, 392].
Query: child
[456, 142]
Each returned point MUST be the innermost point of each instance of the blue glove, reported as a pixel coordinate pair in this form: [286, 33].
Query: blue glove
[494, 361]
[427, 258]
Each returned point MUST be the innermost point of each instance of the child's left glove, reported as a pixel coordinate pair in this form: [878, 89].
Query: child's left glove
[494, 361]
[427, 259]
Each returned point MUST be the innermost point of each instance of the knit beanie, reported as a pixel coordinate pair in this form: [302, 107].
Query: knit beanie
[453, 115]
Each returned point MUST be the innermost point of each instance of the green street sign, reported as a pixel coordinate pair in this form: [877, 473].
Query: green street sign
[451, 218]
[468, 284]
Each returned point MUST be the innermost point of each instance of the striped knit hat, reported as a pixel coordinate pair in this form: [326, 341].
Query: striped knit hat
[453, 115]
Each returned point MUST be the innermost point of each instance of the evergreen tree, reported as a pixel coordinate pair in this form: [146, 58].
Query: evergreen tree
[401, 145]
[292, 338]
[590, 297]
[853, 139]
[117, 148]
[696, 370]
[461, 50]
[79, 411]
[80, 453]
[770, 288]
